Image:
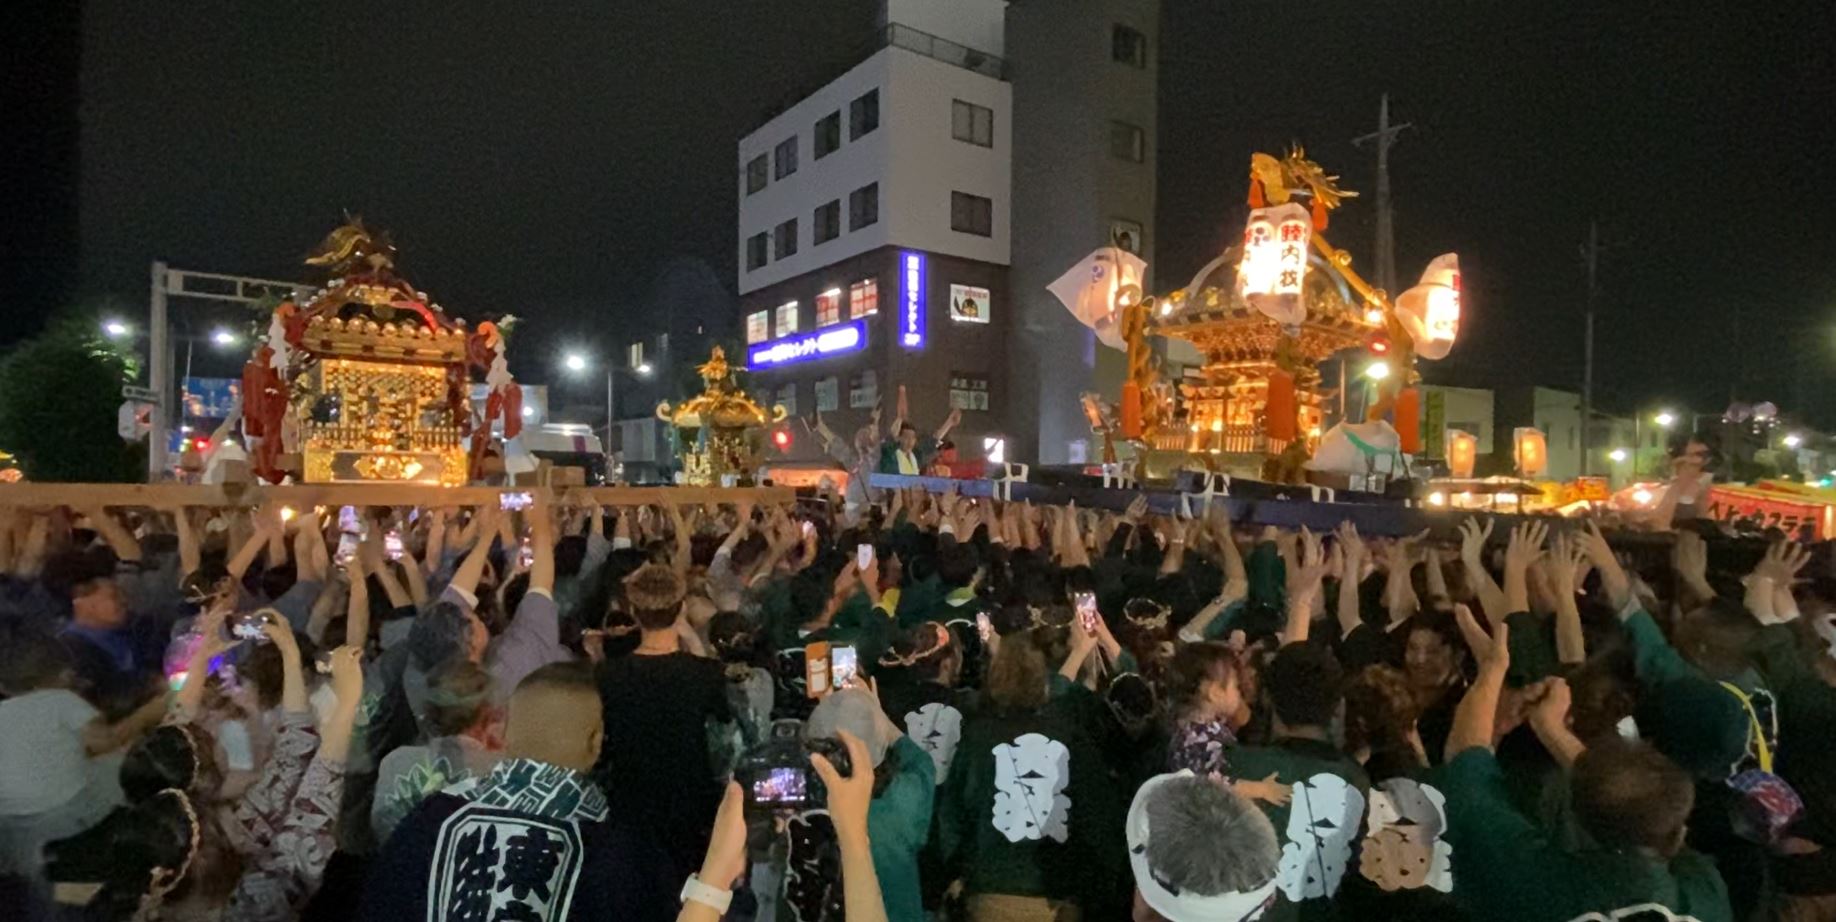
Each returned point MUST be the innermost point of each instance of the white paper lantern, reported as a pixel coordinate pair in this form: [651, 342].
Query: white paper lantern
[1274, 266]
[1431, 310]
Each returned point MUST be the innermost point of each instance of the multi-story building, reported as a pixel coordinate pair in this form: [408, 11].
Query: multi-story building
[878, 217]
[1084, 74]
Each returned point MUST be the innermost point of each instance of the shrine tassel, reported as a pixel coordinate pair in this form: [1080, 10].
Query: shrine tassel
[1319, 214]
[1280, 419]
[1256, 198]
[1409, 420]
[1131, 410]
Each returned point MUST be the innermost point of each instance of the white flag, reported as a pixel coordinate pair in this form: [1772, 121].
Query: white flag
[1090, 290]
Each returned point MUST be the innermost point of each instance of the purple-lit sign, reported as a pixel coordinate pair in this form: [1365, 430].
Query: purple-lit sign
[911, 300]
[848, 337]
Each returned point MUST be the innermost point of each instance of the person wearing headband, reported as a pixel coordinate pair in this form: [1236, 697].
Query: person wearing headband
[1199, 853]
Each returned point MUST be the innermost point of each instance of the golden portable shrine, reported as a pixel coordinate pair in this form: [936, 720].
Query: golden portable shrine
[368, 381]
[721, 430]
[1262, 316]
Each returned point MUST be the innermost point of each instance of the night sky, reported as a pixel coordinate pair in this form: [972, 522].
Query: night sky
[555, 161]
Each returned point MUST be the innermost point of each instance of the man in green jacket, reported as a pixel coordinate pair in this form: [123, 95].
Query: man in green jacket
[1319, 824]
[1632, 805]
[904, 453]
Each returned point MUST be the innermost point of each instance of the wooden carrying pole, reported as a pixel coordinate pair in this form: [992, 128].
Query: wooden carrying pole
[169, 495]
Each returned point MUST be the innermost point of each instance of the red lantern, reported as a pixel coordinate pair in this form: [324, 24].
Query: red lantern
[1409, 420]
[1280, 420]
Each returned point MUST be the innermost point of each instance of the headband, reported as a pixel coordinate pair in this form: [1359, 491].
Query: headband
[164, 880]
[1166, 897]
[943, 643]
[1154, 621]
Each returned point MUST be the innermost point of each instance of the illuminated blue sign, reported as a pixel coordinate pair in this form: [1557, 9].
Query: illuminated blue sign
[911, 300]
[848, 337]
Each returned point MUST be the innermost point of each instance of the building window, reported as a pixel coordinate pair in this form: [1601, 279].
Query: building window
[972, 123]
[787, 398]
[864, 390]
[863, 114]
[756, 248]
[864, 206]
[828, 135]
[758, 327]
[1127, 142]
[828, 394]
[784, 242]
[787, 318]
[863, 298]
[971, 214]
[828, 307]
[825, 224]
[755, 173]
[968, 392]
[785, 158]
[634, 355]
[1128, 46]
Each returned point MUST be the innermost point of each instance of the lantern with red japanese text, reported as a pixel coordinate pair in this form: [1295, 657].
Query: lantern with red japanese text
[1462, 452]
[1274, 264]
[1430, 311]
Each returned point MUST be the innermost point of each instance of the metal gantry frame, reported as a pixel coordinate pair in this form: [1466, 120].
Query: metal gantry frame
[167, 283]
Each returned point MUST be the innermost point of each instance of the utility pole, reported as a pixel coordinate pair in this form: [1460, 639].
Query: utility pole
[1592, 254]
[1384, 136]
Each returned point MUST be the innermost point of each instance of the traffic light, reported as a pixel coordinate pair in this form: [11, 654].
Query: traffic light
[781, 439]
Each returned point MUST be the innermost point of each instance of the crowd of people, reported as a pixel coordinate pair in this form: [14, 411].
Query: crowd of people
[902, 706]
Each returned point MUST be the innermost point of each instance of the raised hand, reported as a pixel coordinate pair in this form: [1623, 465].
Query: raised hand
[1613, 580]
[1473, 537]
[1477, 640]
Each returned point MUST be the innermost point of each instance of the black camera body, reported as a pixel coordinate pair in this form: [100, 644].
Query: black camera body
[776, 775]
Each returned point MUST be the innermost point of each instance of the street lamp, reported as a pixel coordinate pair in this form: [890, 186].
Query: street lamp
[1793, 440]
[116, 329]
[223, 337]
[578, 363]
[1618, 455]
[1377, 371]
[1665, 418]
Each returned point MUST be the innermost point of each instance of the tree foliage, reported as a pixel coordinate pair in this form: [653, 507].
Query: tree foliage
[59, 395]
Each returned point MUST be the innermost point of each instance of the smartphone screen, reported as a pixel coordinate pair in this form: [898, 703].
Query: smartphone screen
[843, 667]
[347, 548]
[526, 554]
[984, 627]
[1085, 603]
[512, 502]
[863, 556]
[809, 528]
[347, 520]
[782, 785]
[392, 544]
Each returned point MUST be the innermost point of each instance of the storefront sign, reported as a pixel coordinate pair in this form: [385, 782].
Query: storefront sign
[969, 304]
[911, 300]
[848, 337]
[1756, 512]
